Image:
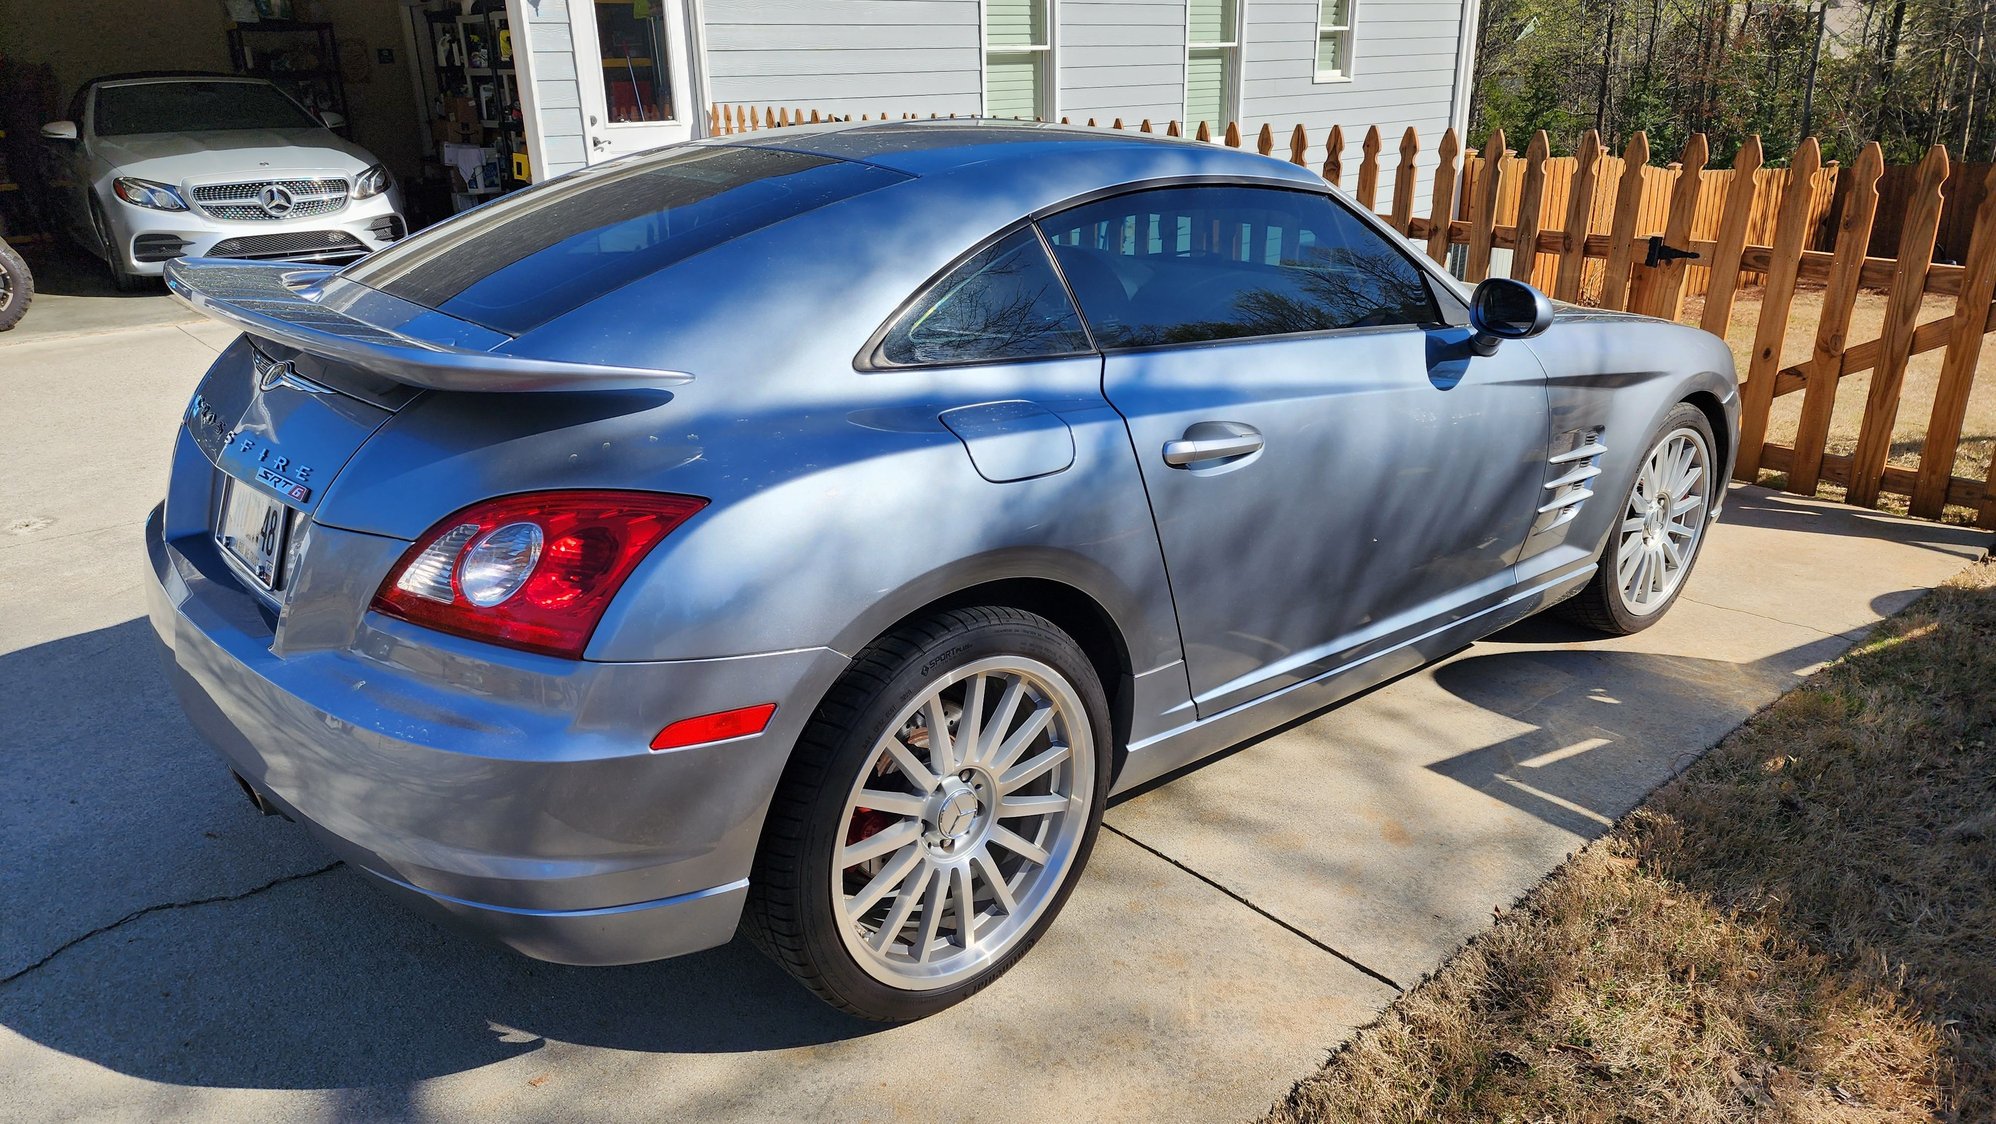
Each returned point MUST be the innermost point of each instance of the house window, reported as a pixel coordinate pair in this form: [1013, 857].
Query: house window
[1018, 58]
[1334, 24]
[1212, 62]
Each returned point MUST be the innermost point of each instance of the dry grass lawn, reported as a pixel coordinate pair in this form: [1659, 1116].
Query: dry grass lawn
[1916, 398]
[1801, 927]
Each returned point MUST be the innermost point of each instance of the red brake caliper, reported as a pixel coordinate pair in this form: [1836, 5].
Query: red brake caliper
[867, 823]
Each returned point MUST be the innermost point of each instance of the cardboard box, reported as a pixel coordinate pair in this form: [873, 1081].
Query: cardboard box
[461, 109]
[455, 132]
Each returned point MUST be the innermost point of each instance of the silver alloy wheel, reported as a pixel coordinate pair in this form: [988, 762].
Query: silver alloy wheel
[1664, 521]
[963, 826]
[6, 287]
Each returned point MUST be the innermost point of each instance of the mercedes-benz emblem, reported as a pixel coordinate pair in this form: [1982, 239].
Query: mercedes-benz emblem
[276, 200]
[953, 820]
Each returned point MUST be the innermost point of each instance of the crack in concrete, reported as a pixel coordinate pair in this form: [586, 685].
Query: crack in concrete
[1765, 617]
[162, 907]
[1286, 926]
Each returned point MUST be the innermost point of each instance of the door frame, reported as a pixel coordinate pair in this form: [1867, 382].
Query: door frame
[521, 16]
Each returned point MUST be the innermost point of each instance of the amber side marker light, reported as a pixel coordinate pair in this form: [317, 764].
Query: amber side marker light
[715, 727]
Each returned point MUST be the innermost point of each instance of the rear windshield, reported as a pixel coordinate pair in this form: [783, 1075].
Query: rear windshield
[520, 262]
[195, 107]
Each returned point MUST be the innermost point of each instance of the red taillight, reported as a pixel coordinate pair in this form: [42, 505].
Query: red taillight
[532, 571]
[715, 727]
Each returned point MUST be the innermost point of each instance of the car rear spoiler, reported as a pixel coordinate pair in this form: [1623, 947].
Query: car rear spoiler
[280, 301]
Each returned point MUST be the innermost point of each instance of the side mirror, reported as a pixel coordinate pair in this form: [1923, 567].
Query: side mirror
[1502, 309]
[59, 130]
[332, 120]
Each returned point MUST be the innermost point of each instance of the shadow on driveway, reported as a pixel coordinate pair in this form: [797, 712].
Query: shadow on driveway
[315, 982]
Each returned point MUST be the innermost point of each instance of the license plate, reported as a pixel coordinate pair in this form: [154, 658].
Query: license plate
[252, 529]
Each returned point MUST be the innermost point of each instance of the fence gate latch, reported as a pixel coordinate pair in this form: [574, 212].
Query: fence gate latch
[1660, 253]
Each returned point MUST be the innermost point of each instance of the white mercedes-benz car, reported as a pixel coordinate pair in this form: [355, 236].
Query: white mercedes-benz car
[153, 167]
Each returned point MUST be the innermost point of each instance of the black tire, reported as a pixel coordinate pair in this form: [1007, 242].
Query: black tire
[789, 914]
[1600, 604]
[17, 287]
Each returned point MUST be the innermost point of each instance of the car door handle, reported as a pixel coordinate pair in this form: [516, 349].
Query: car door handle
[1212, 441]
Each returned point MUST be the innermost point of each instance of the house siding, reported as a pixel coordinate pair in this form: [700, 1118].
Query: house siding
[1121, 58]
[1113, 59]
[557, 99]
[1403, 74]
[846, 56]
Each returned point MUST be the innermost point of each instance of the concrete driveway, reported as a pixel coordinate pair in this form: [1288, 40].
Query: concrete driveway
[166, 952]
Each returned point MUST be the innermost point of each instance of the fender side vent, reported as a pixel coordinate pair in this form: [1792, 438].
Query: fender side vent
[1569, 484]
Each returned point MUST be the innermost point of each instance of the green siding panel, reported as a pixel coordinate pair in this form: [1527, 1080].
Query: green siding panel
[1015, 23]
[1205, 88]
[1012, 85]
[1210, 21]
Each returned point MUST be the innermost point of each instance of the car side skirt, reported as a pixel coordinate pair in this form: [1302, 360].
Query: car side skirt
[1187, 745]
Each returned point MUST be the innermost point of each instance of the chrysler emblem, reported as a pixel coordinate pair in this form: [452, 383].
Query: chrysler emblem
[276, 374]
[276, 200]
[273, 373]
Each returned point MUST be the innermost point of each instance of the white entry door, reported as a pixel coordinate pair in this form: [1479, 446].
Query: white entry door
[632, 64]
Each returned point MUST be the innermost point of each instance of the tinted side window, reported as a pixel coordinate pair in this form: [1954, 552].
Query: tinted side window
[1184, 264]
[1005, 302]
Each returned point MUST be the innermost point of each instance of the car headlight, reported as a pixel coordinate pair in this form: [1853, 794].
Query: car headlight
[146, 193]
[372, 182]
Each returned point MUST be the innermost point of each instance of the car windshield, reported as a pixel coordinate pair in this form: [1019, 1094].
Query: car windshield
[195, 107]
[517, 263]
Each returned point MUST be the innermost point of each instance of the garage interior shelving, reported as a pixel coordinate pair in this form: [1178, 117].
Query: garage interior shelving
[302, 57]
[477, 103]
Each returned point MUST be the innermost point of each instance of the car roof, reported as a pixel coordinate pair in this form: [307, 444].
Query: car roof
[1000, 146]
[854, 260]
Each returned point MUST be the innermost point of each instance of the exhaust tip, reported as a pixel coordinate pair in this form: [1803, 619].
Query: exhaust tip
[257, 799]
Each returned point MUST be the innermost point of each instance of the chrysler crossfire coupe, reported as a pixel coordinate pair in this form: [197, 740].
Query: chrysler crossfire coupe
[806, 533]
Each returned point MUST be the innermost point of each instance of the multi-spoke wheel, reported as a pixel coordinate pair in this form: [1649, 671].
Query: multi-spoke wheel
[1660, 526]
[935, 814]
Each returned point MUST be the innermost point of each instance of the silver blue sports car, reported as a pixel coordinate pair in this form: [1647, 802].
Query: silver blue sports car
[807, 532]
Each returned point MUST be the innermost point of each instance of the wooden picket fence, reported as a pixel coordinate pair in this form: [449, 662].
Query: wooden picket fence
[1582, 228]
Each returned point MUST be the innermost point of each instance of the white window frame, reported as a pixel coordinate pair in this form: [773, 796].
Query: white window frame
[1348, 32]
[1049, 72]
[1232, 81]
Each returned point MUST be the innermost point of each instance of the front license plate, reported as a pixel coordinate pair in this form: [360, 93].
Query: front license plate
[251, 529]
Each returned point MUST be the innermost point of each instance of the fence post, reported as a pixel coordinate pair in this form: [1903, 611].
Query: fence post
[1579, 217]
[1531, 198]
[1233, 134]
[1403, 182]
[1731, 242]
[1334, 157]
[1964, 350]
[1264, 142]
[1777, 301]
[1902, 309]
[1368, 170]
[1204, 133]
[1622, 234]
[1441, 209]
[1660, 291]
[1299, 146]
[1483, 208]
[1825, 370]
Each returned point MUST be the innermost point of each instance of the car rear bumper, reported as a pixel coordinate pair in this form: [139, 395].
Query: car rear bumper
[517, 797]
